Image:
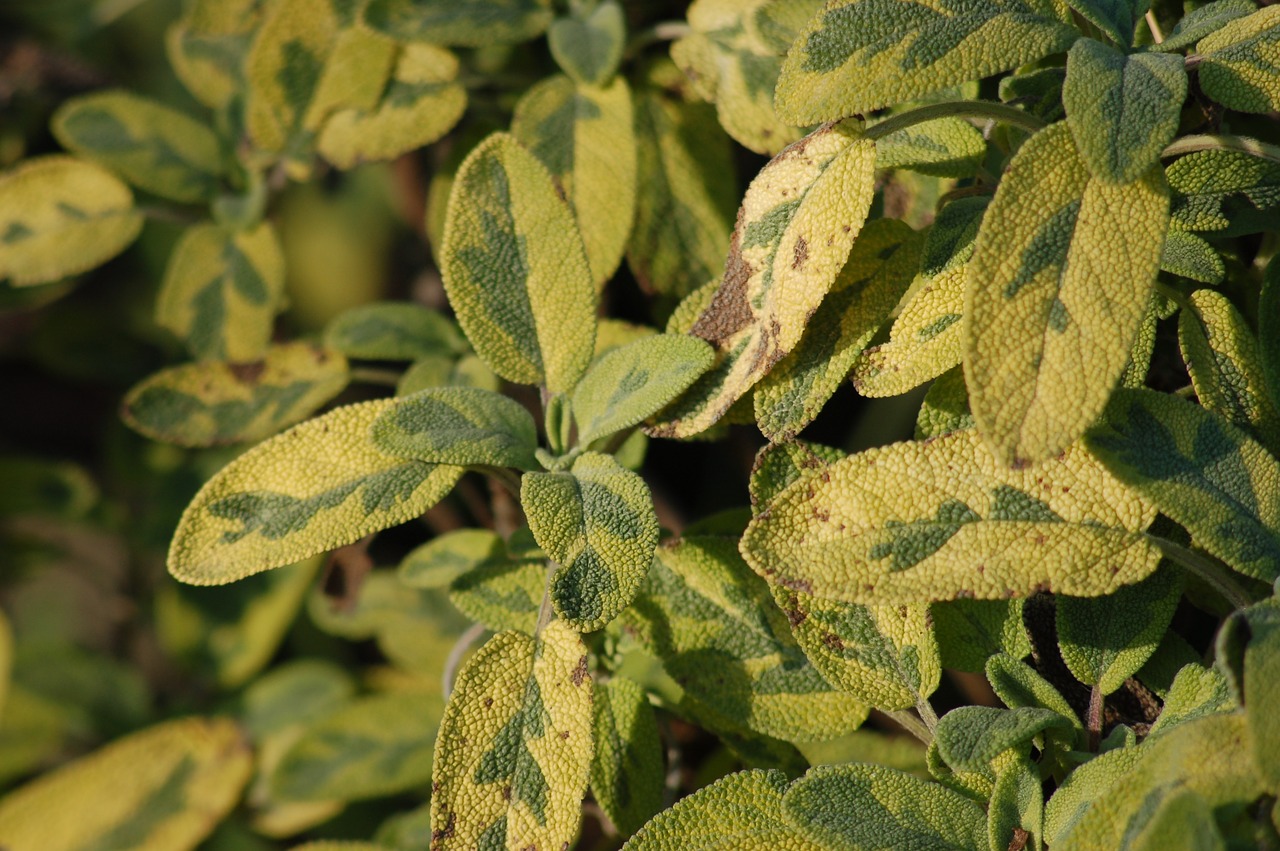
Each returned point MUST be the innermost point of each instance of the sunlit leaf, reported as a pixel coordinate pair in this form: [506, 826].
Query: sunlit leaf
[1227, 192]
[465, 426]
[1239, 62]
[944, 147]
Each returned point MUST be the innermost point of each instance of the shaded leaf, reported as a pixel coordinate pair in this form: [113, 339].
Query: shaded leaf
[1191, 257]
[465, 426]
[1199, 23]
[945, 407]
[1116, 18]
[1228, 192]
[207, 47]
[444, 558]
[1196, 691]
[1017, 684]
[475, 23]
[970, 737]
[970, 631]
[1269, 328]
[1017, 807]
[392, 330]
[626, 770]
[588, 46]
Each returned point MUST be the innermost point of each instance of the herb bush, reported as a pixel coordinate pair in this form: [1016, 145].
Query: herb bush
[1027, 603]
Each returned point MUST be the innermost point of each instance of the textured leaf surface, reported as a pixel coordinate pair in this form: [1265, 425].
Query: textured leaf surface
[443, 371]
[1017, 807]
[1261, 665]
[945, 407]
[1116, 18]
[319, 485]
[796, 226]
[1017, 684]
[1057, 289]
[918, 522]
[1196, 691]
[422, 102]
[970, 631]
[1199, 470]
[720, 636]
[514, 751]
[1122, 110]
[1229, 192]
[870, 806]
[393, 331]
[588, 46]
[585, 137]
[881, 265]
[61, 216]
[1199, 23]
[971, 736]
[1241, 61]
[1191, 257]
[515, 269]
[446, 557]
[475, 23]
[465, 426]
[944, 147]
[502, 593]
[626, 771]
[1181, 819]
[152, 146]
[597, 522]
[161, 788]
[207, 46]
[222, 290]
[857, 56]
[628, 384]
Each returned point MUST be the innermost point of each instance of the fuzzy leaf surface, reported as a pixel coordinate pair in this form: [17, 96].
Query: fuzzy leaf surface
[1241, 61]
[626, 771]
[465, 426]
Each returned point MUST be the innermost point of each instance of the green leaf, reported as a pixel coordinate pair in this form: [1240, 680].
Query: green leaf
[797, 223]
[476, 23]
[1239, 63]
[685, 193]
[717, 632]
[944, 147]
[211, 403]
[1191, 257]
[1038, 91]
[1197, 691]
[393, 330]
[514, 750]
[857, 56]
[596, 521]
[1199, 23]
[161, 788]
[881, 265]
[970, 737]
[921, 522]
[319, 485]
[1226, 367]
[1016, 812]
[870, 806]
[1181, 819]
[38, 486]
[1017, 684]
[1057, 290]
[1103, 92]
[293, 694]
[945, 407]
[369, 748]
[1199, 470]
[61, 216]
[627, 385]
[421, 103]
[970, 631]
[584, 136]
[588, 45]
[152, 146]
[208, 45]
[465, 426]
[1105, 640]
[444, 371]
[6, 659]
[1084, 787]
[1228, 192]
[443, 559]
[222, 290]
[626, 771]
[1116, 18]
[1262, 688]
[515, 269]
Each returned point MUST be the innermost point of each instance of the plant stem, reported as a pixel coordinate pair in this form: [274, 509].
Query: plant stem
[927, 714]
[1157, 35]
[465, 642]
[1215, 574]
[959, 109]
[375, 376]
[661, 31]
[911, 724]
[1094, 721]
[1243, 144]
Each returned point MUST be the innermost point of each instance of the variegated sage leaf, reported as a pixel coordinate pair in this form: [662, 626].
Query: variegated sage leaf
[154, 147]
[1016, 811]
[476, 23]
[630, 383]
[222, 290]
[465, 426]
[502, 593]
[61, 216]
[1200, 22]
[944, 147]
[596, 521]
[1017, 684]
[588, 46]
[945, 407]
[1240, 63]
[797, 223]
[394, 330]
[857, 56]
[1191, 256]
[320, 485]
[1228, 192]
[421, 103]
[584, 135]
[880, 267]
[207, 47]
[626, 772]
[514, 751]
[715, 628]
[1199, 470]
[515, 268]
[160, 788]
[1116, 18]
[1056, 292]
[920, 522]
[1103, 92]
[444, 558]
[444, 371]
[210, 403]
[970, 737]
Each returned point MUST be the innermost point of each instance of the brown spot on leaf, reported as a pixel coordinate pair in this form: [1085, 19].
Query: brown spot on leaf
[445, 832]
[247, 373]
[488, 701]
[800, 254]
[1020, 839]
[564, 734]
[802, 585]
[580, 672]
[506, 792]
[730, 308]
[833, 641]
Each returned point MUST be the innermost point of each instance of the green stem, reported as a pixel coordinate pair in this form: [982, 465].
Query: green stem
[911, 724]
[959, 109]
[1215, 574]
[464, 643]
[927, 714]
[1243, 144]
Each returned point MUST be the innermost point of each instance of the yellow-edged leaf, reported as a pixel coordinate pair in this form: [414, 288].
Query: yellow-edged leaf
[207, 47]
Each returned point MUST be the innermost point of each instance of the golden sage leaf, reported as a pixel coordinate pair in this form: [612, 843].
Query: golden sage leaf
[944, 147]
[222, 290]
[318, 486]
[1200, 22]
[465, 426]
[443, 371]
[514, 751]
[1116, 18]
[584, 135]
[1241, 62]
[797, 223]
[945, 407]
[515, 269]
[1199, 470]
[596, 521]
[588, 45]
[1105, 90]
[211, 403]
[857, 56]
[627, 775]
[161, 788]
[1016, 810]
[476, 23]
[921, 522]
[207, 47]
[394, 330]
[880, 267]
[1190, 256]
[1228, 192]
[61, 216]
[1056, 292]
[154, 147]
